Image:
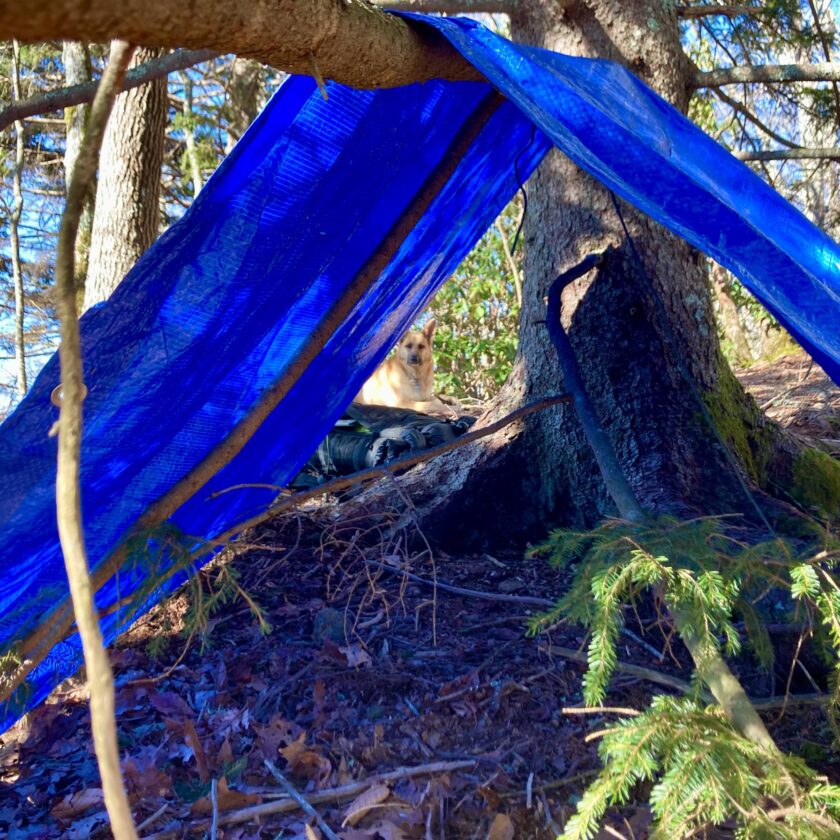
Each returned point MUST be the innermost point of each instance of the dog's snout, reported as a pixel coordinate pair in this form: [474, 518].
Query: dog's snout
[414, 358]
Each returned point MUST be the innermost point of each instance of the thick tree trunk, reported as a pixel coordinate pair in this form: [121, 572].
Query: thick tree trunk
[126, 217]
[643, 372]
[76, 60]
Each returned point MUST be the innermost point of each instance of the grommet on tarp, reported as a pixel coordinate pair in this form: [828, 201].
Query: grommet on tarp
[55, 396]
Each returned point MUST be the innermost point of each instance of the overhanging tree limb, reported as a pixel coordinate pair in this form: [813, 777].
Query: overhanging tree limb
[826, 71]
[66, 97]
[286, 34]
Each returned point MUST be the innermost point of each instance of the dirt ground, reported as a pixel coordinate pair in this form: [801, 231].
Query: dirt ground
[396, 690]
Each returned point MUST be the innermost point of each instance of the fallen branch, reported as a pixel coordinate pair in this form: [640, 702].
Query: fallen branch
[66, 97]
[100, 677]
[331, 795]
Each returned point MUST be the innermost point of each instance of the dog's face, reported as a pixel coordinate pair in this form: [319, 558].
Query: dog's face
[415, 347]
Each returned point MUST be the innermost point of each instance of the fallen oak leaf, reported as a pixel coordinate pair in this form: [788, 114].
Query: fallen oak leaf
[501, 828]
[364, 802]
[171, 705]
[194, 743]
[226, 799]
[77, 803]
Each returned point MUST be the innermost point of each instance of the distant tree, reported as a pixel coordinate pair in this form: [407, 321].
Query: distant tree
[127, 213]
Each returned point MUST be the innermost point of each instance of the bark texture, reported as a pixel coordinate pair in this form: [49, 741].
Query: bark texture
[127, 215]
[286, 34]
[244, 98]
[635, 364]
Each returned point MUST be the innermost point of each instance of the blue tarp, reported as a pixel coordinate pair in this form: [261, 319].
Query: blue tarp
[219, 306]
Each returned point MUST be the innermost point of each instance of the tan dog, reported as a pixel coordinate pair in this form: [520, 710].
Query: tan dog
[406, 379]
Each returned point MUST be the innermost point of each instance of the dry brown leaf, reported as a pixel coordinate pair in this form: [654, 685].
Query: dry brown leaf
[225, 755]
[194, 743]
[171, 705]
[364, 802]
[357, 656]
[227, 799]
[501, 828]
[77, 803]
[294, 750]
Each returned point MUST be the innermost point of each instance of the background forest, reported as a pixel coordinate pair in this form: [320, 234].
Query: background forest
[787, 133]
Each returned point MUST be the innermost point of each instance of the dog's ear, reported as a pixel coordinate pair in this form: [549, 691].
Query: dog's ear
[429, 329]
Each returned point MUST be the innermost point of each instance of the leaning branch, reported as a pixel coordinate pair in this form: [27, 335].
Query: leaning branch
[67, 97]
[291, 35]
[749, 115]
[826, 71]
[100, 678]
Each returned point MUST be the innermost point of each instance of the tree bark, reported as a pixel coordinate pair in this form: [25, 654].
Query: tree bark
[126, 218]
[14, 231]
[286, 34]
[542, 472]
[243, 98]
[76, 60]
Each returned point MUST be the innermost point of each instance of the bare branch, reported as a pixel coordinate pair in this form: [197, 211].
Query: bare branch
[790, 154]
[451, 7]
[742, 109]
[827, 71]
[286, 34]
[66, 97]
[718, 11]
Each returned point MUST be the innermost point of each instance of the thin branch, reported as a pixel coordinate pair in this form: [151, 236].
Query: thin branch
[790, 154]
[742, 109]
[66, 97]
[827, 71]
[719, 11]
[68, 497]
[304, 804]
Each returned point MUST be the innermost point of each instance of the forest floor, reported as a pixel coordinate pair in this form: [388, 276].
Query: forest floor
[401, 704]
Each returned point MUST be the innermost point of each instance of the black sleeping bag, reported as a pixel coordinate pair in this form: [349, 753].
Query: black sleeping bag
[371, 435]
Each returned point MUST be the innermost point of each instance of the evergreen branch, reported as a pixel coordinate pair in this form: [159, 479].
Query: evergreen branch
[66, 97]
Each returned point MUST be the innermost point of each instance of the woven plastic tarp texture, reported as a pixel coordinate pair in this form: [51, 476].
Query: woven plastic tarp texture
[220, 306]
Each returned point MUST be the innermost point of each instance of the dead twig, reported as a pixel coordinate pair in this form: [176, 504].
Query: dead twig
[304, 804]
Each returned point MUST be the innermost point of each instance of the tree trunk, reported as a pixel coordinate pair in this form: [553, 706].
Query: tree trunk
[644, 373]
[14, 230]
[76, 60]
[243, 98]
[126, 218]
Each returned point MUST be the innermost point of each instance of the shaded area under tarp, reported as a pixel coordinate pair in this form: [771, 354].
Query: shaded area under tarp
[219, 307]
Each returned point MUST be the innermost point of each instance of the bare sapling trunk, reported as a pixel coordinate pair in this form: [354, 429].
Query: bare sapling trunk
[68, 497]
[14, 230]
[189, 137]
